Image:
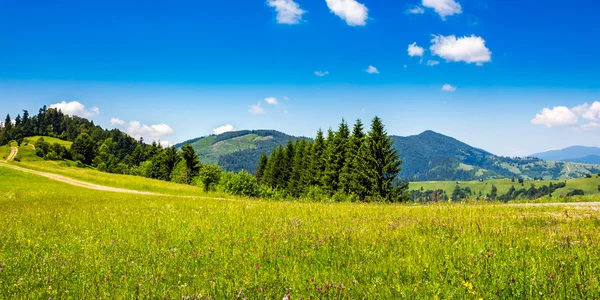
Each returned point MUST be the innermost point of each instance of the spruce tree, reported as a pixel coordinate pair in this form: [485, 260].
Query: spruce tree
[335, 158]
[295, 186]
[262, 165]
[191, 159]
[288, 163]
[383, 164]
[349, 178]
[316, 165]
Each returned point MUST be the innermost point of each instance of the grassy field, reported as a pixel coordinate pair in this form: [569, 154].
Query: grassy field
[49, 140]
[588, 185]
[59, 241]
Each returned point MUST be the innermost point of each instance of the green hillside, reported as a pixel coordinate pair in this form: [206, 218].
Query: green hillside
[588, 185]
[239, 150]
[426, 156]
[49, 140]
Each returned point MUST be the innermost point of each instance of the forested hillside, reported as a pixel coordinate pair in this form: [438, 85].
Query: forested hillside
[239, 150]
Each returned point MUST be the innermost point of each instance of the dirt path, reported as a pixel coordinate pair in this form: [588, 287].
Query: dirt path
[98, 187]
[13, 153]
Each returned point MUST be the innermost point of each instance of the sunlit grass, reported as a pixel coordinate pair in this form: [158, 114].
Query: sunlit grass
[62, 241]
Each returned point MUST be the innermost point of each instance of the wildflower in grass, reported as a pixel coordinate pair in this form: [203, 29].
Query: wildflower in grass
[260, 289]
[551, 276]
[313, 279]
[107, 278]
[212, 282]
[257, 267]
[286, 297]
[354, 281]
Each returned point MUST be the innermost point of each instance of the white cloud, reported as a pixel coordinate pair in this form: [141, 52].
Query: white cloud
[75, 108]
[414, 50]
[165, 144]
[256, 109]
[448, 88]
[321, 73]
[443, 8]
[354, 13]
[593, 111]
[372, 70]
[555, 117]
[580, 109]
[432, 63]
[271, 100]
[137, 129]
[470, 49]
[417, 10]
[117, 122]
[223, 129]
[288, 11]
[590, 126]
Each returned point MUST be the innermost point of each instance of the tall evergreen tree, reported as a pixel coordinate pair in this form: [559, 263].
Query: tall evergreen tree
[288, 163]
[335, 158]
[350, 178]
[262, 165]
[383, 164]
[273, 176]
[316, 165]
[295, 186]
[191, 159]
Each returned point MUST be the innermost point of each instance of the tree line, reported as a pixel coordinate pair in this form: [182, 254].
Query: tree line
[356, 165]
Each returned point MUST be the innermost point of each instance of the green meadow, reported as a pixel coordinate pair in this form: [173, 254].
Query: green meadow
[61, 241]
[588, 185]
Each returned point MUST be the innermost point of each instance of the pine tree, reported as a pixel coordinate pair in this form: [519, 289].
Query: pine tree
[295, 186]
[288, 163]
[191, 159]
[306, 163]
[335, 157]
[262, 165]
[273, 176]
[383, 164]
[350, 179]
[316, 165]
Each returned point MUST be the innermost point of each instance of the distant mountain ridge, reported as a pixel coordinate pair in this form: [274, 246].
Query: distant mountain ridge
[426, 156]
[580, 154]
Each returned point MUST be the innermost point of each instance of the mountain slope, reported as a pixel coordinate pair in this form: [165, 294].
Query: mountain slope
[573, 154]
[590, 159]
[238, 150]
[426, 156]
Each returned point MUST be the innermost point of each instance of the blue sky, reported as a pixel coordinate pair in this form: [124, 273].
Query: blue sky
[518, 73]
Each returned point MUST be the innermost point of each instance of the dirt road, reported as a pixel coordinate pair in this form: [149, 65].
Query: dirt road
[13, 153]
[97, 187]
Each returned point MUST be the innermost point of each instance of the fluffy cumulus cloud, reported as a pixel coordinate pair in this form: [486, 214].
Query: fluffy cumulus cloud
[414, 50]
[469, 49]
[256, 109]
[587, 111]
[137, 129]
[321, 73]
[417, 10]
[75, 108]
[448, 88]
[351, 11]
[372, 70]
[288, 11]
[555, 117]
[443, 8]
[223, 129]
[432, 63]
[271, 100]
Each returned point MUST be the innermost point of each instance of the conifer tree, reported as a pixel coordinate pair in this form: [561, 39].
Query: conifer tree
[262, 165]
[306, 163]
[350, 181]
[191, 159]
[335, 158]
[316, 165]
[295, 183]
[383, 164]
[288, 163]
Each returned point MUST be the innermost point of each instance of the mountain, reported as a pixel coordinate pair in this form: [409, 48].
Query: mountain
[580, 154]
[238, 150]
[590, 159]
[426, 156]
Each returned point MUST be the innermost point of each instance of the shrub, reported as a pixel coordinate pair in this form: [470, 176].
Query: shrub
[240, 184]
[79, 164]
[316, 193]
[588, 176]
[268, 192]
[17, 157]
[208, 177]
[575, 193]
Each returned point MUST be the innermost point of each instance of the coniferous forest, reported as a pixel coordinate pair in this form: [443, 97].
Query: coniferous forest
[343, 165]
